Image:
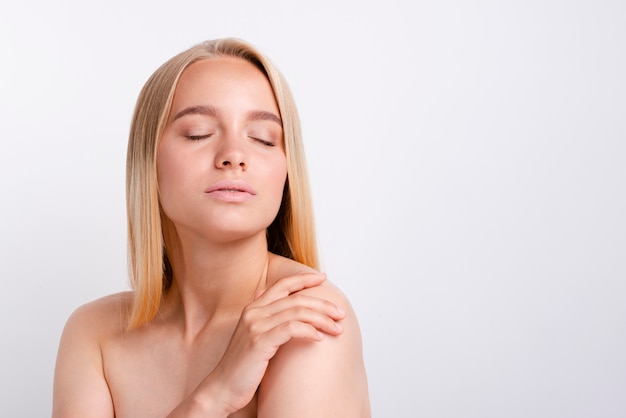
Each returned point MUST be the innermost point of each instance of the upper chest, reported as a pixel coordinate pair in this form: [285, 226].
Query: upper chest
[150, 373]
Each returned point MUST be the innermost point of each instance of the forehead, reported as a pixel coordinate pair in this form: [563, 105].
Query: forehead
[221, 66]
[220, 77]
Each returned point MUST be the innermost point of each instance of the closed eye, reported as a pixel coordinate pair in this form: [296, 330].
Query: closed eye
[264, 142]
[198, 137]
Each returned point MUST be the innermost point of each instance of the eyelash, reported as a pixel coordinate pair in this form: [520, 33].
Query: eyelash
[197, 137]
[264, 142]
[201, 137]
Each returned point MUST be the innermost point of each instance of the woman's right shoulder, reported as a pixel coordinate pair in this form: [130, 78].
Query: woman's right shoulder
[102, 317]
[80, 386]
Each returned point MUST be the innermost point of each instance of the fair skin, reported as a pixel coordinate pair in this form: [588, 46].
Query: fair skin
[241, 332]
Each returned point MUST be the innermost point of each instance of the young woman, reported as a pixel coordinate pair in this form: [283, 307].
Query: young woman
[228, 315]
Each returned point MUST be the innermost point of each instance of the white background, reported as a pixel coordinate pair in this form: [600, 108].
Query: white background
[468, 164]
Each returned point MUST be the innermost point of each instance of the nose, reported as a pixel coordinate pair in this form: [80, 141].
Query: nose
[231, 153]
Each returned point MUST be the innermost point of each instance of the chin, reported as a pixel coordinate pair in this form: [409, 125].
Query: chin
[228, 233]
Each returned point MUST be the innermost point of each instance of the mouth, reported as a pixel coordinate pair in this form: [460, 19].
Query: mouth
[231, 186]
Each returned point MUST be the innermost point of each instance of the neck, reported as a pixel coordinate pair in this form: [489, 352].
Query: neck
[214, 281]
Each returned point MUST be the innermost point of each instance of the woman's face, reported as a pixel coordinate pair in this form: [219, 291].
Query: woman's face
[221, 163]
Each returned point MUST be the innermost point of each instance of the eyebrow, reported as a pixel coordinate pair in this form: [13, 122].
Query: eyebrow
[196, 110]
[211, 111]
[264, 115]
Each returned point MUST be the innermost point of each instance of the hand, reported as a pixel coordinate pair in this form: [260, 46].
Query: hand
[275, 317]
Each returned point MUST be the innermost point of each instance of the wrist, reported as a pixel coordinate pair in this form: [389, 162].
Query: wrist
[208, 401]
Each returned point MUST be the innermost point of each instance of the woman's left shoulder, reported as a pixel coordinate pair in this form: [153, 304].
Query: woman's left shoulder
[281, 267]
[331, 372]
[350, 339]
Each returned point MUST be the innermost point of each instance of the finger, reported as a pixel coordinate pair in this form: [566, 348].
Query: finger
[288, 285]
[287, 331]
[318, 312]
[319, 321]
[296, 300]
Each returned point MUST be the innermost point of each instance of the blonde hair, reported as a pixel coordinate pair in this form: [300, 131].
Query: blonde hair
[291, 234]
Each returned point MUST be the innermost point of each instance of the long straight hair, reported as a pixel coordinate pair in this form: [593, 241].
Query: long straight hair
[291, 234]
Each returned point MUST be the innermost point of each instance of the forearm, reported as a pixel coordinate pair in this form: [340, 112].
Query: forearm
[204, 402]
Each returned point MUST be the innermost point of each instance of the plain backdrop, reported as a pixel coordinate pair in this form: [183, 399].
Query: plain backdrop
[468, 164]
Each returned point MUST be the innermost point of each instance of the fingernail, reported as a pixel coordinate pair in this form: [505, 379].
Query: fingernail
[338, 326]
[341, 311]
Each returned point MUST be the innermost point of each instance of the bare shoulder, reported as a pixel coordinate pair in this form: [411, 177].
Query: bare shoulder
[101, 317]
[331, 372]
[80, 387]
[281, 267]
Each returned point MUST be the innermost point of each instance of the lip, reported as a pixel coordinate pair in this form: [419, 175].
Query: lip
[234, 190]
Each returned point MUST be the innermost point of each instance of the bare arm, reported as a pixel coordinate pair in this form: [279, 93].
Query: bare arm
[321, 379]
[80, 389]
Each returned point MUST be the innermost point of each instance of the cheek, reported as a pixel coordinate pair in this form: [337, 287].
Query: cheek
[279, 174]
[174, 163]
[170, 175]
[278, 178]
